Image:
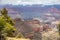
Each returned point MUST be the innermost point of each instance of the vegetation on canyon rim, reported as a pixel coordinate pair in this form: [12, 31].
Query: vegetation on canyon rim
[59, 28]
[6, 25]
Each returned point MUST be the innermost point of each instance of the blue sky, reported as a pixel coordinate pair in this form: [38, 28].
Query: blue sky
[29, 2]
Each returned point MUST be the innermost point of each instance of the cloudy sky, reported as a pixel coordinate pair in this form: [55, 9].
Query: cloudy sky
[30, 2]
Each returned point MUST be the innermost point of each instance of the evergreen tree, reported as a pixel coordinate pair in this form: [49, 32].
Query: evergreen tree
[4, 12]
[6, 24]
[2, 26]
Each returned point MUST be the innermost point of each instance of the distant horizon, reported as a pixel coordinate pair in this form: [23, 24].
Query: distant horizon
[30, 5]
[30, 2]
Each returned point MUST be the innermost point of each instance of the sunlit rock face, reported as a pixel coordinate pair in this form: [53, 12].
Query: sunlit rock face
[27, 28]
[22, 26]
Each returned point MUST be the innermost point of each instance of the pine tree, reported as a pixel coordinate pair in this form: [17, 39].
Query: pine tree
[4, 12]
[6, 24]
[2, 26]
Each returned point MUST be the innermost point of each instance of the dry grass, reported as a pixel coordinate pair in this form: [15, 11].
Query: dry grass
[9, 38]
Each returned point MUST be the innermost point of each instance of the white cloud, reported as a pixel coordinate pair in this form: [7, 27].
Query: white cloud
[30, 2]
